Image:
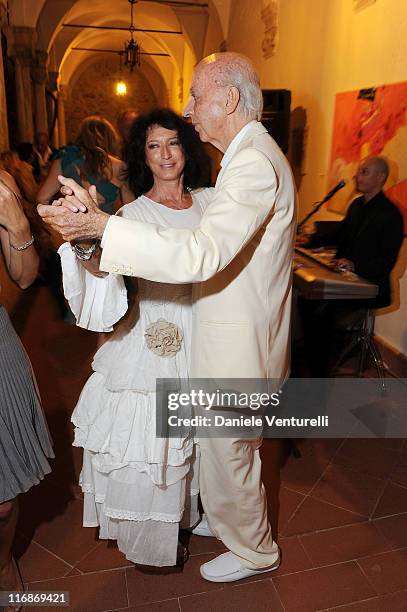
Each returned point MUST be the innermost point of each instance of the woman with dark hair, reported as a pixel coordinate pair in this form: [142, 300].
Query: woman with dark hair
[25, 445]
[137, 488]
[139, 175]
[92, 160]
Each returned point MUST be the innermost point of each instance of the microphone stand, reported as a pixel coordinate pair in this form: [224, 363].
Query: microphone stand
[314, 210]
[318, 205]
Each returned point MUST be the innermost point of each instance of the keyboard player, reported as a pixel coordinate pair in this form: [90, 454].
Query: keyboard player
[367, 242]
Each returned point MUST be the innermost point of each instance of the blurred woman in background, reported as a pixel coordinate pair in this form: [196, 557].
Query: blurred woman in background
[92, 160]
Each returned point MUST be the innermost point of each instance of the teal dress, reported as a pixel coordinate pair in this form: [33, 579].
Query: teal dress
[72, 160]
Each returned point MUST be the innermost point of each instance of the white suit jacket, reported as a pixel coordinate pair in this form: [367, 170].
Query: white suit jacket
[240, 259]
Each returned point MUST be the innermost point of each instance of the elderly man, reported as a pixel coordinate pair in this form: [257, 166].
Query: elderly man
[240, 259]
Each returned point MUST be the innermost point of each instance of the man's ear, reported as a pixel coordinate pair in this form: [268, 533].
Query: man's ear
[232, 100]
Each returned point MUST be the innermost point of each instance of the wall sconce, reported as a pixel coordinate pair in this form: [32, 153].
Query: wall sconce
[121, 88]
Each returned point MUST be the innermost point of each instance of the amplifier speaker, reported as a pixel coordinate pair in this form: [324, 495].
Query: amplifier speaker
[276, 115]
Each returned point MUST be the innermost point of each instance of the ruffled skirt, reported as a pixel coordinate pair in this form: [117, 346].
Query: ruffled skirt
[137, 488]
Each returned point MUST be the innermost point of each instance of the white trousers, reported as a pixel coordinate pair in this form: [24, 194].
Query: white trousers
[234, 499]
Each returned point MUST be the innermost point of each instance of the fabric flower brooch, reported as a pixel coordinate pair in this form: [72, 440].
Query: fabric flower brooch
[163, 338]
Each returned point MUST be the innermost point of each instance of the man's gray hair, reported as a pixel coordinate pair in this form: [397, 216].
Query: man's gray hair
[237, 70]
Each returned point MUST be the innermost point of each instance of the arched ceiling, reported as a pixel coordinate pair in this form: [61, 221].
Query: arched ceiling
[23, 13]
[67, 60]
[26, 13]
[185, 49]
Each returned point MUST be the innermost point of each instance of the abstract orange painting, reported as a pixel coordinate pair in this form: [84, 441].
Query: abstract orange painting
[370, 122]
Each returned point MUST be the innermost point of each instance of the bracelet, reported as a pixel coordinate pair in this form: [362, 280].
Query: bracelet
[84, 253]
[24, 246]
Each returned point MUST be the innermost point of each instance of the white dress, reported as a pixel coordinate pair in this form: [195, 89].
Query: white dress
[137, 488]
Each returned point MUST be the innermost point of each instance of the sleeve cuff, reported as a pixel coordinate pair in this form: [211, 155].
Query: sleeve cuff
[105, 234]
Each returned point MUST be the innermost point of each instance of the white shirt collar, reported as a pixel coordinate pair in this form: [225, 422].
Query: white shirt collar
[232, 148]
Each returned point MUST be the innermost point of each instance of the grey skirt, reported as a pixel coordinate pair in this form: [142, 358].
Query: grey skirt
[25, 442]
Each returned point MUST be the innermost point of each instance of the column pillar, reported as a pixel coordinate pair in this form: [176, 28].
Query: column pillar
[4, 144]
[22, 41]
[53, 76]
[39, 75]
[61, 115]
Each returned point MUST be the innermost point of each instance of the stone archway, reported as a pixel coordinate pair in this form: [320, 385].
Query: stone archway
[93, 93]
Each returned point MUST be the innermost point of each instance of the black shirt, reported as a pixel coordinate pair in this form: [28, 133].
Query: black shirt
[370, 236]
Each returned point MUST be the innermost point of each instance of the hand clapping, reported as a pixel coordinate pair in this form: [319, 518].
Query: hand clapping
[77, 215]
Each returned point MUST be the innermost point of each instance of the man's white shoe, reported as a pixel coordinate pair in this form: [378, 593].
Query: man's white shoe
[203, 529]
[227, 568]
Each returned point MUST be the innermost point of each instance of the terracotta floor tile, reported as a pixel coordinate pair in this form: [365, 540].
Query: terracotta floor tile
[344, 543]
[322, 588]
[260, 596]
[349, 489]
[40, 505]
[387, 572]
[393, 501]
[398, 444]
[293, 557]
[399, 473]
[66, 468]
[171, 605]
[62, 533]
[68, 463]
[329, 446]
[394, 602]
[321, 448]
[289, 502]
[314, 515]
[198, 545]
[157, 584]
[394, 529]
[73, 572]
[362, 455]
[301, 474]
[36, 563]
[104, 556]
[89, 593]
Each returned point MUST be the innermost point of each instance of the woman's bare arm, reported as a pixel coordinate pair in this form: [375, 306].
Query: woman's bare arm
[119, 169]
[51, 185]
[22, 263]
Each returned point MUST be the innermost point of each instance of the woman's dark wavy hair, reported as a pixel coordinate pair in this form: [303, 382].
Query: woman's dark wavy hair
[197, 170]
